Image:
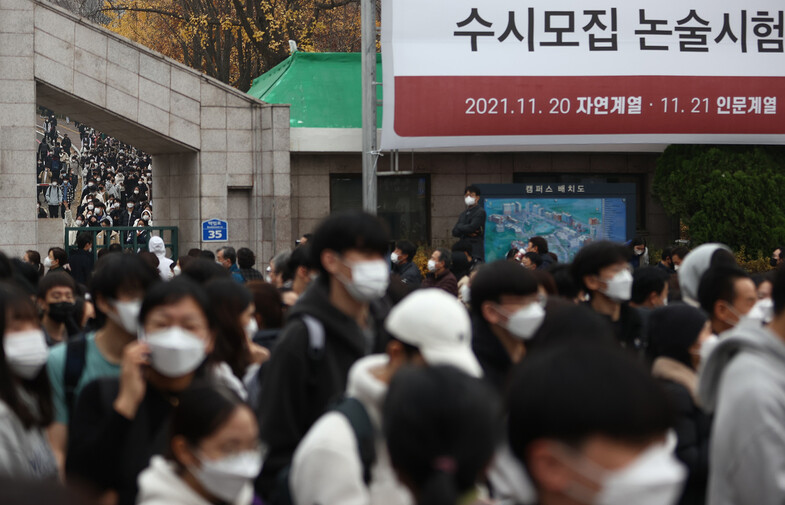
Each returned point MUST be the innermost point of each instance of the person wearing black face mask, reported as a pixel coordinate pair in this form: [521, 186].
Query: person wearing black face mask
[776, 257]
[56, 301]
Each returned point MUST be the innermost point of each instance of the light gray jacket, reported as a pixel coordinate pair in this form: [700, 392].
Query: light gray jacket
[743, 383]
[24, 452]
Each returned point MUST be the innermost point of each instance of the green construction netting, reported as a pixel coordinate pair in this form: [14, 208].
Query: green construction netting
[323, 89]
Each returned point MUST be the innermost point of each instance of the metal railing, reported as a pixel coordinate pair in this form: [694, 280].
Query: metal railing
[129, 237]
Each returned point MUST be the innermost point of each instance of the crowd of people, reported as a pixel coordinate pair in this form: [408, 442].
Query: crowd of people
[339, 373]
[110, 183]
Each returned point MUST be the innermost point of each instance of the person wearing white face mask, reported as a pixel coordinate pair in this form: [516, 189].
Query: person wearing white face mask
[117, 286]
[727, 294]
[605, 439]
[214, 452]
[471, 222]
[335, 322]
[403, 266]
[439, 274]
[743, 384]
[25, 396]
[236, 357]
[506, 312]
[126, 419]
[602, 271]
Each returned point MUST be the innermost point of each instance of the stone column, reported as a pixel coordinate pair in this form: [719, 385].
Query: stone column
[17, 119]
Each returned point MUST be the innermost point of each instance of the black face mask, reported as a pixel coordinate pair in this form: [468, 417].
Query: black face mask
[773, 262]
[61, 311]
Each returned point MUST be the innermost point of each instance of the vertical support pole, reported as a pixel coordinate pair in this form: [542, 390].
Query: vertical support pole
[368, 9]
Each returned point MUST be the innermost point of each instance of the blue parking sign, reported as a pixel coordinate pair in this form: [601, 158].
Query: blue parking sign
[215, 230]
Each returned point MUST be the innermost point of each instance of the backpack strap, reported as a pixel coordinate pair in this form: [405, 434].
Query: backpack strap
[363, 431]
[316, 336]
[75, 359]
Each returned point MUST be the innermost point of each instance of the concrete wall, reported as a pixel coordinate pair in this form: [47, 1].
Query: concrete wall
[451, 173]
[207, 139]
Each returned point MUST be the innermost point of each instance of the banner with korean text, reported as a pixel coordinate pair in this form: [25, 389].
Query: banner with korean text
[470, 73]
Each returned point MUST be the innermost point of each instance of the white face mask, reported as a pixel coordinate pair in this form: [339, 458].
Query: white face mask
[251, 328]
[175, 352]
[619, 287]
[639, 252]
[655, 477]
[524, 322]
[469, 201]
[48, 262]
[79, 223]
[127, 315]
[369, 280]
[90, 207]
[177, 270]
[431, 266]
[26, 352]
[676, 267]
[394, 258]
[761, 313]
[466, 293]
[225, 478]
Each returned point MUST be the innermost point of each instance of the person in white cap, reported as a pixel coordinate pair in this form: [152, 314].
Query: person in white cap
[328, 467]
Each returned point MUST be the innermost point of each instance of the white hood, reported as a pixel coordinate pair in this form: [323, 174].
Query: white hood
[156, 246]
[368, 389]
[159, 484]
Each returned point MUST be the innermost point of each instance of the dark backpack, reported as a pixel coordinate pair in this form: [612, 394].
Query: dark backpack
[75, 359]
[351, 408]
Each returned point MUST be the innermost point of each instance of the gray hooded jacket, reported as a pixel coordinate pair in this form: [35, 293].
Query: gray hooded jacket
[743, 383]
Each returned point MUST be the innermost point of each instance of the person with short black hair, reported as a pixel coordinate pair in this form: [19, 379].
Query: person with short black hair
[246, 260]
[649, 288]
[227, 257]
[403, 265]
[117, 288]
[726, 294]
[532, 260]
[25, 394]
[677, 256]
[439, 274]
[471, 222]
[506, 312]
[349, 249]
[56, 260]
[327, 467]
[743, 384]
[777, 256]
[602, 270]
[303, 269]
[81, 259]
[211, 428]
[442, 428]
[666, 263]
[55, 298]
[591, 426]
[540, 246]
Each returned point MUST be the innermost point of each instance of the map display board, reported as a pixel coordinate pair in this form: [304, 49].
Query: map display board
[568, 216]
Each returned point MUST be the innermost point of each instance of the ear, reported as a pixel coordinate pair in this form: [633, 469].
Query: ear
[546, 469]
[721, 310]
[592, 282]
[396, 353]
[489, 314]
[653, 298]
[330, 261]
[182, 452]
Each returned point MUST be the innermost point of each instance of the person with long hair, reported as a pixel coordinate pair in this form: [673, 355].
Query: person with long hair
[25, 396]
[441, 428]
[235, 358]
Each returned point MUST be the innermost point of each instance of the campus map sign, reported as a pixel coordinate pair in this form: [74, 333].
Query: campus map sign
[499, 72]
